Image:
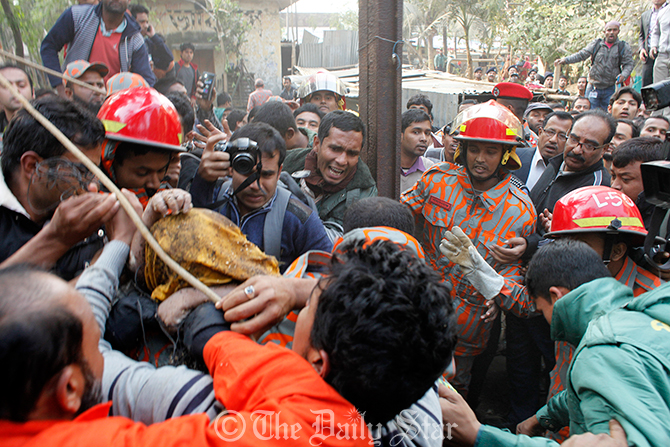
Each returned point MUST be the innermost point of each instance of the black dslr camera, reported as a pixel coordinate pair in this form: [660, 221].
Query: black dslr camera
[243, 154]
[656, 181]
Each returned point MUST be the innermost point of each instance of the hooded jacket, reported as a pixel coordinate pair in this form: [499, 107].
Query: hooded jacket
[77, 27]
[621, 367]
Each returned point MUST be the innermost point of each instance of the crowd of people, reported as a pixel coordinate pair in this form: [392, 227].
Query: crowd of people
[344, 318]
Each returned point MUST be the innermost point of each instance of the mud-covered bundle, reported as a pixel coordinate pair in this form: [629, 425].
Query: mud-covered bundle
[209, 246]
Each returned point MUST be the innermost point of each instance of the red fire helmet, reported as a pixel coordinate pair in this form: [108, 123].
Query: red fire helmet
[490, 123]
[597, 209]
[143, 116]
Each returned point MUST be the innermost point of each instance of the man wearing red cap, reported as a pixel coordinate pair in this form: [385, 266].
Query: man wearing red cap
[516, 97]
[481, 196]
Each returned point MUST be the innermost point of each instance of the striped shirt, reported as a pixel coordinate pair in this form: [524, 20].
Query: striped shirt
[138, 390]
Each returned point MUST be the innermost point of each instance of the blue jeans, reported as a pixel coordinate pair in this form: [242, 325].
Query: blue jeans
[602, 96]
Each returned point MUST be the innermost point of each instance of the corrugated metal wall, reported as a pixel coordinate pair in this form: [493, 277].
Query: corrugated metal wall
[339, 49]
[445, 106]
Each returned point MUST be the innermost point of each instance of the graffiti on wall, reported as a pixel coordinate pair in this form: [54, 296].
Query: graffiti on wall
[190, 20]
[197, 20]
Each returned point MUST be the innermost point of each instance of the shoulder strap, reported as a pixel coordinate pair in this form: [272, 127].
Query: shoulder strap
[274, 223]
[221, 198]
[295, 189]
[596, 49]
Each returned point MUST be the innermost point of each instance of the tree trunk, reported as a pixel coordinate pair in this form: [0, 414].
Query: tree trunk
[455, 43]
[445, 50]
[430, 51]
[466, 31]
[14, 25]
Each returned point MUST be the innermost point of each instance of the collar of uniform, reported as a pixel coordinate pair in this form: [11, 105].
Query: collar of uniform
[8, 200]
[23, 429]
[628, 273]
[492, 197]
[119, 29]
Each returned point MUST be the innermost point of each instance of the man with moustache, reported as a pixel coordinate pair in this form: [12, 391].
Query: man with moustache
[92, 74]
[580, 165]
[552, 136]
[481, 194]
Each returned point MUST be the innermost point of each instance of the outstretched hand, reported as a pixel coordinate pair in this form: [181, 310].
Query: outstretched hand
[271, 301]
[511, 252]
[460, 423]
[616, 438]
[166, 202]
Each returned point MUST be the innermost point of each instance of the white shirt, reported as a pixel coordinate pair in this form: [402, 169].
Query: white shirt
[537, 167]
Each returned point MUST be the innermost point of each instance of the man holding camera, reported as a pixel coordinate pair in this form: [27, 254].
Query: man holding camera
[266, 212]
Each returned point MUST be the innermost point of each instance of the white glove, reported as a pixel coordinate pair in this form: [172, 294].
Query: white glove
[458, 248]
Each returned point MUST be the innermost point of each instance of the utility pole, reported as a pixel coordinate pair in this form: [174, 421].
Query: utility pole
[379, 97]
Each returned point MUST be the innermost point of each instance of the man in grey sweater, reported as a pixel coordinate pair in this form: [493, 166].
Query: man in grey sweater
[611, 64]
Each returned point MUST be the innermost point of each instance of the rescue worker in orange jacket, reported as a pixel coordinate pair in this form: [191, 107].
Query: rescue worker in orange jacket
[610, 223]
[480, 196]
[50, 337]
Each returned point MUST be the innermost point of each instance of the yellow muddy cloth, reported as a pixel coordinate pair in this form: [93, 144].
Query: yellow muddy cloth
[209, 246]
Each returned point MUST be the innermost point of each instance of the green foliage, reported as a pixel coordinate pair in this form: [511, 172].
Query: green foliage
[347, 20]
[35, 18]
[231, 24]
[562, 27]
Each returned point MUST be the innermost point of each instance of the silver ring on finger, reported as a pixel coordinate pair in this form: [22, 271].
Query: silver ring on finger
[250, 292]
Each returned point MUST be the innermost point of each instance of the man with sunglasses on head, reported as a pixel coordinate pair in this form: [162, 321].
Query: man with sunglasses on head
[50, 212]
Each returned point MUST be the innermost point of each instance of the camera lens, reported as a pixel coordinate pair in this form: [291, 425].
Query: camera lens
[244, 163]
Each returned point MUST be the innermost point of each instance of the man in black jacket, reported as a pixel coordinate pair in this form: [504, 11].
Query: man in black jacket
[161, 55]
[580, 164]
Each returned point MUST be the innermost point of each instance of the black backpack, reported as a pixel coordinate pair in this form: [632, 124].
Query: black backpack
[597, 48]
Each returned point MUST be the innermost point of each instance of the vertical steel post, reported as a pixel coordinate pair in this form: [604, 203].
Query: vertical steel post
[380, 62]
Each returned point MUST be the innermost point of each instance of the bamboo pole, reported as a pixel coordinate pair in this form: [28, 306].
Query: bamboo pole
[560, 97]
[52, 72]
[123, 201]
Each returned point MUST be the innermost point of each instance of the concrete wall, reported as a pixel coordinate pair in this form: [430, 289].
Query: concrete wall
[183, 22]
[262, 49]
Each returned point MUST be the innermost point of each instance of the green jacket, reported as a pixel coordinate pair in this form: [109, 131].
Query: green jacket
[620, 369]
[310, 134]
[333, 206]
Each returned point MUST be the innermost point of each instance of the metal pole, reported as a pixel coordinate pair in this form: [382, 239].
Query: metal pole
[380, 62]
